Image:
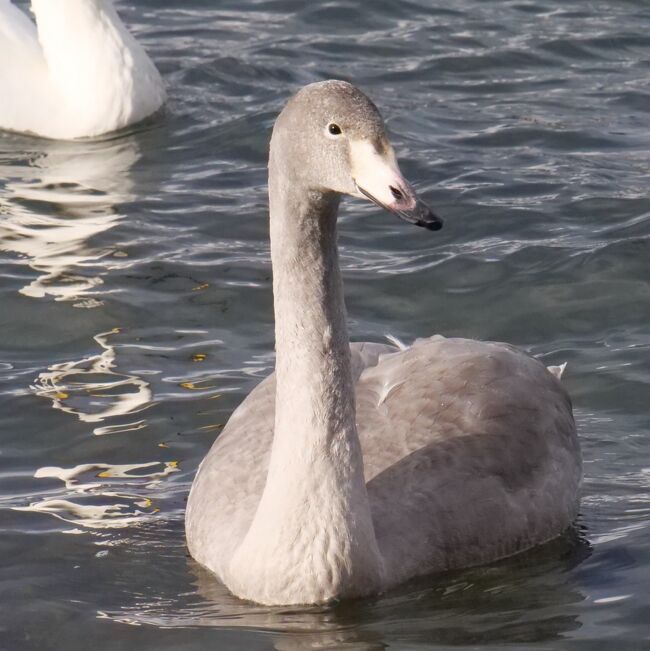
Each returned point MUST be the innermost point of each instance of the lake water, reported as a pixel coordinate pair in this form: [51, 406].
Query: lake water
[136, 310]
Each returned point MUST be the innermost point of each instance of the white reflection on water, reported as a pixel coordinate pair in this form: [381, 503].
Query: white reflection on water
[93, 391]
[455, 608]
[84, 503]
[53, 207]
[292, 627]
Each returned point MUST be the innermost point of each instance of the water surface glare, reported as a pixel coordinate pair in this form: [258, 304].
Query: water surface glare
[137, 310]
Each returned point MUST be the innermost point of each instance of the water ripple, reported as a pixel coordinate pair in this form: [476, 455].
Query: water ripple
[523, 123]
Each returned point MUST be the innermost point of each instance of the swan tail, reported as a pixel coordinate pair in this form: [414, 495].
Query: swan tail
[396, 342]
[558, 371]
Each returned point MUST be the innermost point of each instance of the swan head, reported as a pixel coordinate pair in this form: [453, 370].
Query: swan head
[330, 138]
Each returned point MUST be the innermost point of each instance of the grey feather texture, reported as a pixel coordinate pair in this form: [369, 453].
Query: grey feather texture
[355, 467]
[469, 449]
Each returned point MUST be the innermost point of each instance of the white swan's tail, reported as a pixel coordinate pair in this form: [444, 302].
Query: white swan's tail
[558, 371]
[396, 342]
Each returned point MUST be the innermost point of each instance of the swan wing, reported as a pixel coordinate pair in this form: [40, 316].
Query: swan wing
[230, 480]
[470, 454]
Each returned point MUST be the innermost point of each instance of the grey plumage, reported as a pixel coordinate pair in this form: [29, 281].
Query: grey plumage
[352, 469]
[469, 449]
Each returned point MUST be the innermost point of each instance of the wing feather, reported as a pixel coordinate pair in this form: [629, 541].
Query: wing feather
[470, 454]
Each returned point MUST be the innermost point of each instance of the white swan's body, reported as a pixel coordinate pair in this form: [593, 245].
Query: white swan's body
[77, 73]
[345, 473]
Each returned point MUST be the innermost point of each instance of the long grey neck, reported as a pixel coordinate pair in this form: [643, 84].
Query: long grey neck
[312, 536]
[315, 393]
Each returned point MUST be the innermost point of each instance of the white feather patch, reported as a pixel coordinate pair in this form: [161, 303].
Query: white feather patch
[557, 370]
[397, 342]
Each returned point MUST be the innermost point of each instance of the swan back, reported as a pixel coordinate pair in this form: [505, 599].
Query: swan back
[79, 73]
[96, 64]
[470, 455]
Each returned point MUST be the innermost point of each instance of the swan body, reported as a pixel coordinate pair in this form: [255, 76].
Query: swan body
[76, 73]
[355, 467]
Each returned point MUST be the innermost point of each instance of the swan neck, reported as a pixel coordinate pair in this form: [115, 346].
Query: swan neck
[314, 382]
[312, 537]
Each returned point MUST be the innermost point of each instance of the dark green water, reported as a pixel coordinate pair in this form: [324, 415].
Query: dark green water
[136, 310]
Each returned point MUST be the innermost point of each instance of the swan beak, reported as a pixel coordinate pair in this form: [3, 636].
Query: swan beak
[378, 178]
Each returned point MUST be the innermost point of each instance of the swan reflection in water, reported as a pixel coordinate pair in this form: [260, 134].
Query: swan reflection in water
[54, 204]
[99, 496]
[94, 391]
[527, 599]
[52, 207]
[51, 210]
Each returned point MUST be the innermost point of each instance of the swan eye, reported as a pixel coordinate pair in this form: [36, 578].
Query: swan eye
[334, 129]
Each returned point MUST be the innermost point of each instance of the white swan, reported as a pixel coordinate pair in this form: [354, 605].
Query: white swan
[454, 453]
[78, 73]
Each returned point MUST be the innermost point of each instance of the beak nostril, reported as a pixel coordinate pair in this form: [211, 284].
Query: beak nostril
[396, 193]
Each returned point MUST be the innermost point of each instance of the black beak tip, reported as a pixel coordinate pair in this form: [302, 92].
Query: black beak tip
[434, 224]
[426, 218]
